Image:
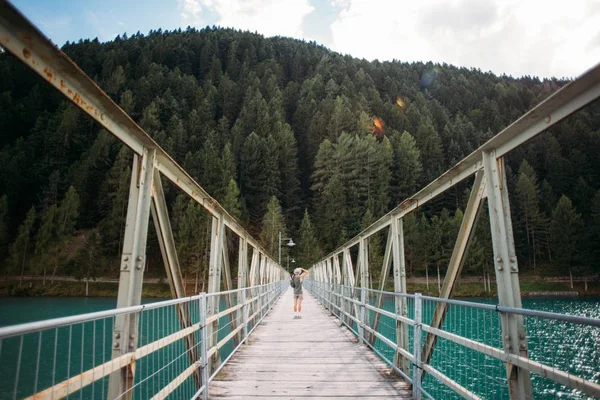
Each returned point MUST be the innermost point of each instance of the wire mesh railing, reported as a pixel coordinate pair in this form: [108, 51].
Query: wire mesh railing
[468, 359]
[72, 357]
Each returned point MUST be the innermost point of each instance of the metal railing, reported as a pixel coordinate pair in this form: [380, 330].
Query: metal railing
[468, 360]
[70, 357]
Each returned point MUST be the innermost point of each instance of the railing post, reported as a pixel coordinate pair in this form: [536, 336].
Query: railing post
[363, 301]
[417, 370]
[507, 273]
[203, 343]
[244, 316]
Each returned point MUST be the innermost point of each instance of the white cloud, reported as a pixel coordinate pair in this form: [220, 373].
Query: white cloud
[189, 11]
[518, 37]
[269, 17]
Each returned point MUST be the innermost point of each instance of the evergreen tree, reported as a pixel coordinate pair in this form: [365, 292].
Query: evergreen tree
[21, 247]
[89, 259]
[273, 223]
[256, 177]
[114, 194]
[66, 218]
[430, 145]
[231, 201]
[3, 225]
[308, 247]
[565, 229]
[406, 167]
[535, 225]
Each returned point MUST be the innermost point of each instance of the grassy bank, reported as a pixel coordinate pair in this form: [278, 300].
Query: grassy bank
[77, 289]
[476, 289]
[161, 290]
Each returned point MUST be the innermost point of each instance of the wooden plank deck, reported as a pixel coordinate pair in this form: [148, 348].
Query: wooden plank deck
[311, 358]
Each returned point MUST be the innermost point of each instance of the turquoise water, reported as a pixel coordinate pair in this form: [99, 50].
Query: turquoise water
[570, 347]
[67, 351]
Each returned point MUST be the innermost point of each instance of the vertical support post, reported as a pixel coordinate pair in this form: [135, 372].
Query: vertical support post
[125, 335]
[361, 329]
[385, 271]
[160, 216]
[242, 283]
[364, 274]
[400, 287]
[203, 345]
[417, 370]
[337, 282]
[507, 277]
[457, 259]
[214, 283]
[244, 316]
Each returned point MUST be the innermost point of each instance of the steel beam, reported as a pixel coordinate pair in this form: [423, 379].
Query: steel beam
[507, 277]
[160, 216]
[397, 233]
[385, 271]
[242, 284]
[133, 262]
[229, 298]
[214, 284]
[457, 260]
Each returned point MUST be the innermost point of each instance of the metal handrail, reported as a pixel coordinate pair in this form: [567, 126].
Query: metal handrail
[324, 292]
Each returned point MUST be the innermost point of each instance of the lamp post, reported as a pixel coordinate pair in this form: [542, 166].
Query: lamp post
[290, 243]
[288, 262]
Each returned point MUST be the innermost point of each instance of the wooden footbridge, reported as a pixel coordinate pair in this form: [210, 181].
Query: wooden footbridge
[354, 340]
[315, 357]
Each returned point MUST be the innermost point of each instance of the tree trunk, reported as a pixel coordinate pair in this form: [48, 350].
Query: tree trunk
[87, 283]
[44, 277]
[534, 250]
[484, 285]
[23, 264]
[571, 278]
[439, 282]
[196, 284]
[55, 265]
[427, 275]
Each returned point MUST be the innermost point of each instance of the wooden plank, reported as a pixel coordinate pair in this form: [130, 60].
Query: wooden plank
[312, 357]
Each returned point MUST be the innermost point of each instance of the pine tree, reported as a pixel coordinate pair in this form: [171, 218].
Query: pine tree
[533, 221]
[89, 259]
[272, 224]
[565, 230]
[114, 194]
[3, 225]
[256, 177]
[46, 238]
[406, 167]
[308, 247]
[20, 247]
[430, 145]
[66, 218]
[231, 201]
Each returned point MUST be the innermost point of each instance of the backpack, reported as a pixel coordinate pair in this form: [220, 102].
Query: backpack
[292, 283]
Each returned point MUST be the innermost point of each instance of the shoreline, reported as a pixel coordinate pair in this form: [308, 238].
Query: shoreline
[155, 288]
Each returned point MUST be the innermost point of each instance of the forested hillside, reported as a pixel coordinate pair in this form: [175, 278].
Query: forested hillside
[289, 137]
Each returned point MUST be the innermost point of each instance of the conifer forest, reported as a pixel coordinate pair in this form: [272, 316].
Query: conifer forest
[289, 137]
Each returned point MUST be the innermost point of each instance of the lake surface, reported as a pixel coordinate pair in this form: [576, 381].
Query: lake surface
[570, 347]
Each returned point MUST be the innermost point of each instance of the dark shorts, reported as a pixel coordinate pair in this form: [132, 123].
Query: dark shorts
[298, 297]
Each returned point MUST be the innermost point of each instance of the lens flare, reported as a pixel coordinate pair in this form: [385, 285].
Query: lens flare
[377, 127]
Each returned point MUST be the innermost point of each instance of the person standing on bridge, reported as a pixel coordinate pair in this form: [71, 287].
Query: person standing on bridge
[299, 273]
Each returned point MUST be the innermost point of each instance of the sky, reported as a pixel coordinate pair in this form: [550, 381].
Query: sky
[514, 37]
